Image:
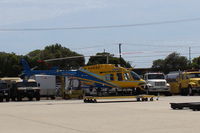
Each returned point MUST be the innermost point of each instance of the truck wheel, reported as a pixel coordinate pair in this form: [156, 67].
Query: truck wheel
[13, 98]
[38, 98]
[1, 99]
[19, 98]
[184, 92]
[30, 98]
[7, 99]
[53, 98]
[187, 92]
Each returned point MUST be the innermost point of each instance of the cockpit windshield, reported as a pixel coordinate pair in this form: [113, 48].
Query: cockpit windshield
[135, 76]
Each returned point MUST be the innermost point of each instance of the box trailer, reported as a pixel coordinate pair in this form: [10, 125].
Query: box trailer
[47, 85]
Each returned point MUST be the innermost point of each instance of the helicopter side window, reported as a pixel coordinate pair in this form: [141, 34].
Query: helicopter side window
[119, 76]
[126, 76]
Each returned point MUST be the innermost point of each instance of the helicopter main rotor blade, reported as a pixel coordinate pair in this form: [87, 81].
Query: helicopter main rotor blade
[72, 57]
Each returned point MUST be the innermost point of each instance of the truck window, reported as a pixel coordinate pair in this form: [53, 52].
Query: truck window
[172, 77]
[31, 84]
[26, 84]
[193, 75]
[156, 76]
[20, 84]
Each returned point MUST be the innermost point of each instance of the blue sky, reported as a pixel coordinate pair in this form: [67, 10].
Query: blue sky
[140, 45]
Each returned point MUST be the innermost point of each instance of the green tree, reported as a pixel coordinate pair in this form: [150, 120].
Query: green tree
[196, 63]
[173, 62]
[10, 66]
[102, 58]
[158, 65]
[57, 51]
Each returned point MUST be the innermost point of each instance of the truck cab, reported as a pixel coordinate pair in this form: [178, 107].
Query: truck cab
[4, 91]
[156, 83]
[23, 88]
[189, 82]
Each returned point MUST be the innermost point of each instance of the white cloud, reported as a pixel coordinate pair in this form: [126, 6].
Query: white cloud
[17, 11]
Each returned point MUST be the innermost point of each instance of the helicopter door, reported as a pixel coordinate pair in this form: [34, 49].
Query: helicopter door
[119, 77]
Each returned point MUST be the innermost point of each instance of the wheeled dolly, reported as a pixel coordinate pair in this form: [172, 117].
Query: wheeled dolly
[93, 99]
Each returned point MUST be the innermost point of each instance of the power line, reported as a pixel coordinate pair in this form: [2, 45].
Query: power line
[102, 27]
[90, 47]
[159, 45]
[137, 44]
[148, 56]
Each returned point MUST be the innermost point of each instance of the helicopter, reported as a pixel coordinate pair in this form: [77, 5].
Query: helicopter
[96, 80]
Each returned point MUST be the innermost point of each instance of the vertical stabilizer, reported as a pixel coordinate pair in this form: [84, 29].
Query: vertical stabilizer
[25, 65]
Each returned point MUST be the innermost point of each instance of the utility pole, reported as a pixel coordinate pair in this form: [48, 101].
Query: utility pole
[107, 58]
[120, 54]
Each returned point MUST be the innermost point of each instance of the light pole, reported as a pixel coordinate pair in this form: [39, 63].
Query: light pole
[120, 53]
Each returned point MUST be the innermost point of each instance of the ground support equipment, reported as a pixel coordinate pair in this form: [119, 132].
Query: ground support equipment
[195, 106]
[93, 99]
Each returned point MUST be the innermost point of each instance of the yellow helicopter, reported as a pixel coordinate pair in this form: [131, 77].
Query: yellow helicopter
[124, 80]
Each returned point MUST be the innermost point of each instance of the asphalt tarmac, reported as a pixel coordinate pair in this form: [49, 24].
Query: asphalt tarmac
[74, 116]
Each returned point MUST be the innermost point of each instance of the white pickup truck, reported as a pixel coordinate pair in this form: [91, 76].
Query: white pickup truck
[156, 83]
